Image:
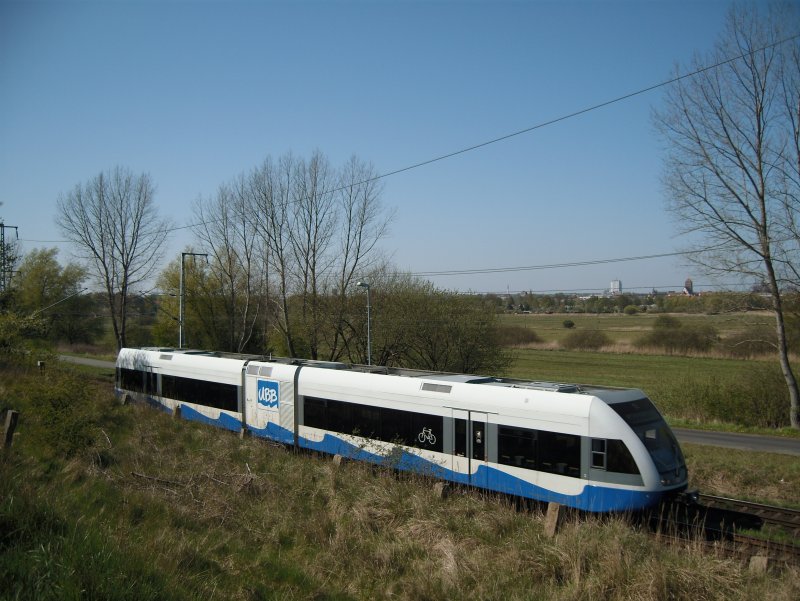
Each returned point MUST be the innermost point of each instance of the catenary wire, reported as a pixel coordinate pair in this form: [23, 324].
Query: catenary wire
[541, 125]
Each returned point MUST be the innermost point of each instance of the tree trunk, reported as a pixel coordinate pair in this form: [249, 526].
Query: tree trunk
[786, 367]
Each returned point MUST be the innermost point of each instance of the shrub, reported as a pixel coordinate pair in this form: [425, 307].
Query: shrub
[63, 418]
[666, 322]
[568, 323]
[670, 335]
[631, 310]
[516, 336]
[752, 342]
[586, 340]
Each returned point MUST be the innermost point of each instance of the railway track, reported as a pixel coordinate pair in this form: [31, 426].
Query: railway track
[734, 527]
[783, 517]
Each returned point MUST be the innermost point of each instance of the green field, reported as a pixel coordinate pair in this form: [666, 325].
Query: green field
[729, 394]
[624, 329]
[706, 389]
[648, 372]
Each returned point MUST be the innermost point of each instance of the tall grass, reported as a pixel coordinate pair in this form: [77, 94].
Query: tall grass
[158, 508]
[757, 397]
[699, 390]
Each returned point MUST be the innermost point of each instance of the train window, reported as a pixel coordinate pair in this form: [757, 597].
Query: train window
[201, 392]
[613, 456]
[395, 426]
[426, 431]
[131, 379]
[314, 412]
[460, 442]
[390, 425]
[516, 446]
[599, 453]
[619, 458]
[559, 453]
[638, 412]
[367, 420]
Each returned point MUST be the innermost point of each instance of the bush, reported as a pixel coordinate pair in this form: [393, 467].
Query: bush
[759, 399]
[568, 323]
[752, 342]
[516, 336]
[670, 335]
[631, 310]
[60, 415]
[666, 322]
[586, 340]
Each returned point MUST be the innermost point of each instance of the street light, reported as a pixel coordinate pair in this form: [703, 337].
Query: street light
[369, 341]
[182, 294]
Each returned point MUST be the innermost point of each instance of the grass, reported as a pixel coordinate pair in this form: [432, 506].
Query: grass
[624, 329]
[150, 507]
[613, 369]
[760, 477]
[699, 392]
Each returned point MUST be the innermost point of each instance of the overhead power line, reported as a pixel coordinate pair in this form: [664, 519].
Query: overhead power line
[537, 126]
[537, 267]
[520, 132]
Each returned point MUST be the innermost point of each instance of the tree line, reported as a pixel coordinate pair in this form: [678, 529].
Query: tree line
[709, 302]
[273, 268]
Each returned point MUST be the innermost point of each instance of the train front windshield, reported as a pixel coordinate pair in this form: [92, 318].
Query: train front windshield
[650, 427]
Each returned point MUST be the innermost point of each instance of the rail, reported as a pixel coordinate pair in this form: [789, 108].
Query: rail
[783, 517]
[732, 526]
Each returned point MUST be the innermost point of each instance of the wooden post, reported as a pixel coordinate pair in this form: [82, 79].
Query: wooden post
[552, 519]
[11, 424]
[759, 564]
[442, 489]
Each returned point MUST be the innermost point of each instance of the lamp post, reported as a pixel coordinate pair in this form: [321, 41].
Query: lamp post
[369, 341]
[181, 294]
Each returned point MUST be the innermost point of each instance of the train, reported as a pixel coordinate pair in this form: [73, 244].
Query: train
[594, 448]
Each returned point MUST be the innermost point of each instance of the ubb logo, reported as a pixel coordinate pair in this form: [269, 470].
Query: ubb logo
[268, 393]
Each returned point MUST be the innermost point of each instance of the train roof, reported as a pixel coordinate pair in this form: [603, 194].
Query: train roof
[435, 376]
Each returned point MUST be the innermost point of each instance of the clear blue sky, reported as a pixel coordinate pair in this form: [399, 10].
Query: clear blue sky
[197, 92]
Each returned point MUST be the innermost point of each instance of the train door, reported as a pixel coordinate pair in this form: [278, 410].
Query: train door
[470, 449]
[287, 419]
[269, 401]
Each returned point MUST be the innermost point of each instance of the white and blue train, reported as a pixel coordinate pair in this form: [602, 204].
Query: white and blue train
[593, 448]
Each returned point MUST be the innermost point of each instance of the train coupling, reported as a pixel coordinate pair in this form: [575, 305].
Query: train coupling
[689, 497]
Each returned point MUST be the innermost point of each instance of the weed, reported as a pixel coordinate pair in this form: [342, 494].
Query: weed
[184, 527]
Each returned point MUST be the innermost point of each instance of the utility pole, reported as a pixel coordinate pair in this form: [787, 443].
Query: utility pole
[5, 260]
[365, 285]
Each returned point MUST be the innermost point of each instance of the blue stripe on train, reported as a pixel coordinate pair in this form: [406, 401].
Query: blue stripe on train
[591, 498]
[225, 421]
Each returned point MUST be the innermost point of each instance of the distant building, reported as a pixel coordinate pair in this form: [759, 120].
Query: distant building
[616, 287]
[688, 287]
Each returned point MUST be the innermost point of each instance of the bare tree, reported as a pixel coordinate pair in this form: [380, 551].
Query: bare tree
[314, 222]
[115, 225]
[732, 157]
[364, 222]
[270, 188]
[228, 235]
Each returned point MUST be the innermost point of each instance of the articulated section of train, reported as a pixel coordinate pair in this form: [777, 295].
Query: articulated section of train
[594, 448]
